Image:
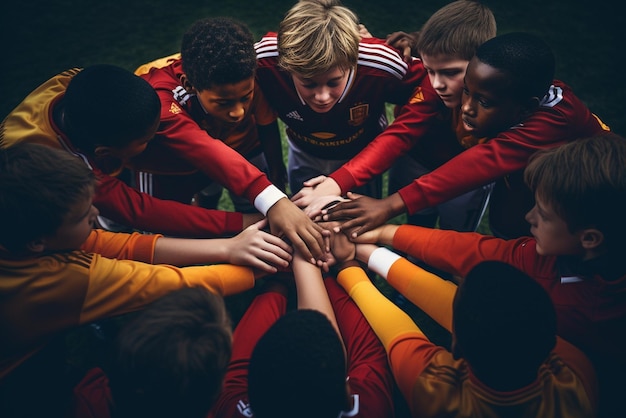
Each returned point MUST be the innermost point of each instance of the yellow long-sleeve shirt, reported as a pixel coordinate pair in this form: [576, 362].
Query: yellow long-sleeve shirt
[111, 275]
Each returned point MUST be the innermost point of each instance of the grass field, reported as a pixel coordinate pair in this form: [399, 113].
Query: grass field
[42, 38]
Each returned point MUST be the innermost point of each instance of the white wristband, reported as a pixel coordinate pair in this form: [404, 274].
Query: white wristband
[267, 198]
[381, 260]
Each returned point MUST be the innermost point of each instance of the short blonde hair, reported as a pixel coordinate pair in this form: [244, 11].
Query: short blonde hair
[316, 36]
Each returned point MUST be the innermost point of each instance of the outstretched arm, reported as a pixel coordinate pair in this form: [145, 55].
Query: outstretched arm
[429, 292]
[253, 247]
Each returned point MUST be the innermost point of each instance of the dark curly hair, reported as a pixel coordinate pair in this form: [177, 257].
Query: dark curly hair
[217, 51]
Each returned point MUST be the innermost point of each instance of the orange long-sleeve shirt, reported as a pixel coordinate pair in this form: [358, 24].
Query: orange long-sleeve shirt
[431, 380]
[41, 297]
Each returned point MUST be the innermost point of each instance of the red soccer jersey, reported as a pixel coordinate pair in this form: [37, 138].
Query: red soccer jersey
[182, 145]
[589, 297]
[356, 119]
[562, 117]
[32, 121]
[370, 381]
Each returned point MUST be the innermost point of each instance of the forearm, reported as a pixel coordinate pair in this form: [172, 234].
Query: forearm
[386, 319]
[185, 252]
[310, 290]
[428, 291]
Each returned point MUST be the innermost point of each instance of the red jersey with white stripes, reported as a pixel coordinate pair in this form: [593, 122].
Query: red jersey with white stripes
[381, 76]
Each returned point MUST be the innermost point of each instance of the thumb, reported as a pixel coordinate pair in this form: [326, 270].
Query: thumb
[352, 195]
[259, 224]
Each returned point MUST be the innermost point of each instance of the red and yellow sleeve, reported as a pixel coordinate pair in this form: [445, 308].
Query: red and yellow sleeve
[408, 349]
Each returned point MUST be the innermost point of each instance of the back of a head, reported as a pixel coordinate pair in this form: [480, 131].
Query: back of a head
[504, 324]
[106, 105]
[525, 58]
[217, 50]
[316, 36]
[456, 30]
[39, 185]
[170, 360]
[298, 369]
[584, 182]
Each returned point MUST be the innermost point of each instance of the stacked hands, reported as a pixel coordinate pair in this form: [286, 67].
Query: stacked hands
[343, 222]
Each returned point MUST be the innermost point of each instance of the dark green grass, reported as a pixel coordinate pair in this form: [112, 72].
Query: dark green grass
[42, 38]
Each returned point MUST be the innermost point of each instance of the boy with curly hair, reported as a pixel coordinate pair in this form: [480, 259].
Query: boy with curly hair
[105, 134]
[211, 121]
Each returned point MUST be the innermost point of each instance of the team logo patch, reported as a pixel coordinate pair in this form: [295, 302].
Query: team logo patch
[417, 97]
[175, 109]
[358, 114]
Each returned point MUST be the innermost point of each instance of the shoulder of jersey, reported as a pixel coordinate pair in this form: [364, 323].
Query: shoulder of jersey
[383, 57]
[266, 47]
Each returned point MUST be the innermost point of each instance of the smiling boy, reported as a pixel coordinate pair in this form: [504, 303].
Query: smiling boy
[214, 132]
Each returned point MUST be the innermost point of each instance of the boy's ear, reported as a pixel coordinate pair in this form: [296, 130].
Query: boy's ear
[591, 238]
[186, 84]
[37, 245]
[103, 151]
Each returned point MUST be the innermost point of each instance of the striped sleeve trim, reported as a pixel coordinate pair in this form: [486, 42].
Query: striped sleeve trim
[383, 58]
[81, 258]
[266, 47]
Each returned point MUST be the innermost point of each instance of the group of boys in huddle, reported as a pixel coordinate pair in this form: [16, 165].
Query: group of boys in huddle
[109, 187]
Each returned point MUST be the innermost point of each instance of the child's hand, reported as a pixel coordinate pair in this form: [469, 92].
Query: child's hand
[364, 32]
[287, 220]
[405, 42]
[258, 249]
[364, 214]
[341, 248]
[314, 188]
[314, 210]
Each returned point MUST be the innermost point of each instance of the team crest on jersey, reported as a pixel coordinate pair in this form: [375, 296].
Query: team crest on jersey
[175, 109]
[417, 97]
[358, 114]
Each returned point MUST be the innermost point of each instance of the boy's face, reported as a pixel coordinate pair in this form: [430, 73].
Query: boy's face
[75, 228]
[446, 76]
[323, 91]
[228, 103]
[551, 232]
[488, 105]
